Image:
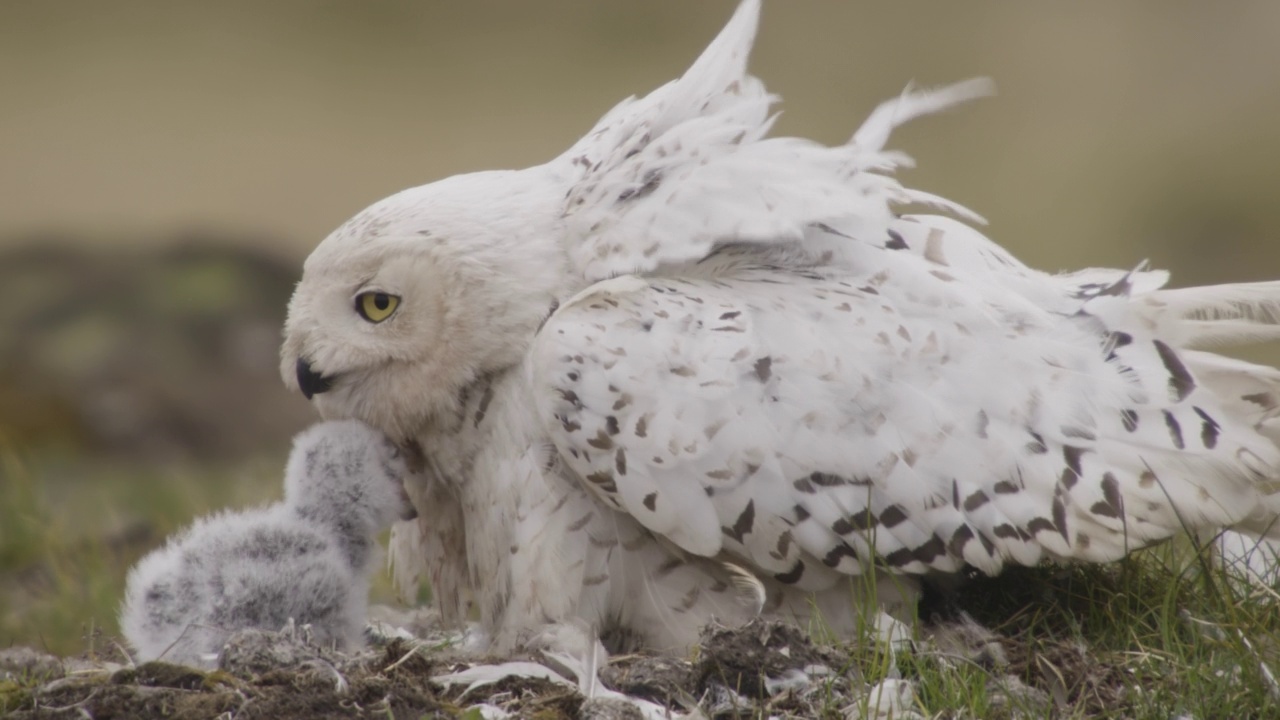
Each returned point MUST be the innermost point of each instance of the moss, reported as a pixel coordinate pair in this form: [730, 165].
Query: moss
[216, 679]
[14, 695]
[163, 674]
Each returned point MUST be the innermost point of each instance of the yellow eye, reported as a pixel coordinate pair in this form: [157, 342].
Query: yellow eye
[376, 306]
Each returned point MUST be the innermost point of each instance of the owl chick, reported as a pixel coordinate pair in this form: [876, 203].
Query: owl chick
[308, 557]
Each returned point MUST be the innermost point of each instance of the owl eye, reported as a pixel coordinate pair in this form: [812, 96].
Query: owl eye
[376, 306]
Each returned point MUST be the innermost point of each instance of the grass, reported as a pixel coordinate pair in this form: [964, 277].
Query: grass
[1163, 634]
[1166, 633]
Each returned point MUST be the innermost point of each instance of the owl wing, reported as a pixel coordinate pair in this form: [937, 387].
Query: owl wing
[665, 178]
[811, 423]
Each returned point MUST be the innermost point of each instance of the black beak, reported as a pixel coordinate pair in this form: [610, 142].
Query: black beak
[310, 381]
[409, 512]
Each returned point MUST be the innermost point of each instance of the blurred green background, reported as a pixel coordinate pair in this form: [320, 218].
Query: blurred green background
[165, 166]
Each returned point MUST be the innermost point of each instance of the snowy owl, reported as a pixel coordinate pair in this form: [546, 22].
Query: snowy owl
[307, 558]
[687, 371]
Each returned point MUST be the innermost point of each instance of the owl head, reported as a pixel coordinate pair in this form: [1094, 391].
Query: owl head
[419, 295]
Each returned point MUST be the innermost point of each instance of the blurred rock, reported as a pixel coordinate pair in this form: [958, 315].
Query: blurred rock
[147, 354]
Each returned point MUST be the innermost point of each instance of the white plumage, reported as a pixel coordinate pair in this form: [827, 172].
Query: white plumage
[308, 558]
[683, 354]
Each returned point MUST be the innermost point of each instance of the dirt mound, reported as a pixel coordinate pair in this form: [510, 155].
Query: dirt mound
[278, 675]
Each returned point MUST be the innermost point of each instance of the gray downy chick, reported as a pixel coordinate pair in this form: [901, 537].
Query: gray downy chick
[308, 558]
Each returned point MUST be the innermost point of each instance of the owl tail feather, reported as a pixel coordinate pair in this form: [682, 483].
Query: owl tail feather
[1224, 315]
[1220, 315]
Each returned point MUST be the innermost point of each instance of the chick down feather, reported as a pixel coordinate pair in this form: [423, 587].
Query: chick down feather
[308, 558]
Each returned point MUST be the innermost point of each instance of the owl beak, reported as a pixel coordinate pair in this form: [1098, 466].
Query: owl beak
[408, 511]
[311, 382]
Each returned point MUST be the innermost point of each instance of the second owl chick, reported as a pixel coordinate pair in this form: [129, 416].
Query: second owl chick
[308, 558]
